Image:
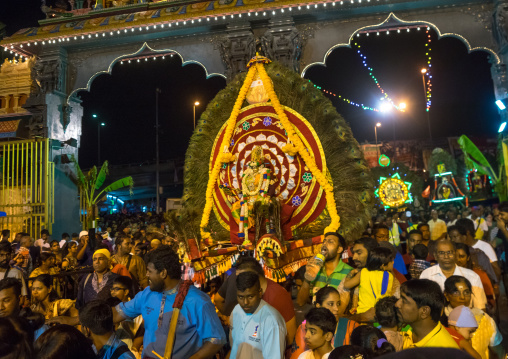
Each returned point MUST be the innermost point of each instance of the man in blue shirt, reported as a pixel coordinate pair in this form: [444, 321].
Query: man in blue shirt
[96, 319]
[258, 330]
[199, 333]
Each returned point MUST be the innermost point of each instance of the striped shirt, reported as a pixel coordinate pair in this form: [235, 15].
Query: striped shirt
[333, 280]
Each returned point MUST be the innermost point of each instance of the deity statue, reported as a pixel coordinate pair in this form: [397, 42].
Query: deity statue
[256, 196]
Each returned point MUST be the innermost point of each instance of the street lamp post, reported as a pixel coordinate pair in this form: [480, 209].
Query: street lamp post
[385, 108]
[375, 134]
[423, 72]
[157, 92]
[194, 111]
[99, 125]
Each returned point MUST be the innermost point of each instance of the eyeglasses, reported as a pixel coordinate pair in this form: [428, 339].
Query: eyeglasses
[446, 254]
[466, 293]
[116, 289]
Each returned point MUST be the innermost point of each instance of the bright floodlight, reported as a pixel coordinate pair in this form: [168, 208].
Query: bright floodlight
[502, 127]
[103, 124]
[501, 105]
[196, 103]
[402, 105]
[385, 107]
[94, 115]
[423, 71]
[378, 124]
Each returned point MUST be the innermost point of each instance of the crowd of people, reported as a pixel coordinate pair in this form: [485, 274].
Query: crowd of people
[411, 281]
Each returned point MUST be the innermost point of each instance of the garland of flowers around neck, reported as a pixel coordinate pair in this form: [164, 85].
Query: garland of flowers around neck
[214, 173]
[299, 146]
[260, 191]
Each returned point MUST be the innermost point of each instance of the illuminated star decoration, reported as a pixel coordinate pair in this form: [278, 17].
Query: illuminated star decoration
[393, 192]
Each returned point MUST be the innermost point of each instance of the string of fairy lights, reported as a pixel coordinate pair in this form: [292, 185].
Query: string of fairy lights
[428, 54]
[346, 100]
[371, 74]
[426, 74]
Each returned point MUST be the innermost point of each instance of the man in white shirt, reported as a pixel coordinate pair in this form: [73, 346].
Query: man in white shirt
[258, 330]
[446, 267]
[43, 242]
[452, 217]
[470, 240]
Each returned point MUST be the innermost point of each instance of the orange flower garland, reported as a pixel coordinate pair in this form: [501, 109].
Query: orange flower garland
[214, 173]
[299, 146]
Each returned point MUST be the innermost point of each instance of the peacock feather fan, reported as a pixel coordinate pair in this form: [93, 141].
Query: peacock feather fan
[352, 181]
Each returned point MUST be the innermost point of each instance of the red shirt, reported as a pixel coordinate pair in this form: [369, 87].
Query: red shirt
[400, 277]
[455, 335]
[280, 299]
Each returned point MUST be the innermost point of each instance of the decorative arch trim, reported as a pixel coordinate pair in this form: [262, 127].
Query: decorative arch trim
[392, 20]
[144, 48]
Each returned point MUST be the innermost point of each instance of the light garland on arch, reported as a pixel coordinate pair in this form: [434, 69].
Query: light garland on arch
[371, 74]
[346, 100]
[428, 87]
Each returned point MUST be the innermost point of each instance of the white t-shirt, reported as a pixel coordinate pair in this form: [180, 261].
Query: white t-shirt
[309, 355]
[45, 247]
[487, 249]
[14, 273]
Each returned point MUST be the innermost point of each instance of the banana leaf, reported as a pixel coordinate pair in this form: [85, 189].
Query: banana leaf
[101, 177]
[123, 182]
[475, 159]
[81, 177]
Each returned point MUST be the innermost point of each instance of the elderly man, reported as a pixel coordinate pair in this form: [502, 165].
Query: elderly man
[446, 267]
[97, 285]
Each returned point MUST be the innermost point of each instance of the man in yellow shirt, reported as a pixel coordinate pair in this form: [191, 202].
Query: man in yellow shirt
[437, 227]
[420, 305]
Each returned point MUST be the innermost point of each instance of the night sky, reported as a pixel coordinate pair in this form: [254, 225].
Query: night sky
[462, 96]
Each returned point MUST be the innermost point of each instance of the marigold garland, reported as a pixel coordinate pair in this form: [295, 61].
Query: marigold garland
[296, 147]
[299, 146]
[214, 173]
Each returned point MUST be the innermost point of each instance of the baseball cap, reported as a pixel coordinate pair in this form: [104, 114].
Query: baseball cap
[462, 317]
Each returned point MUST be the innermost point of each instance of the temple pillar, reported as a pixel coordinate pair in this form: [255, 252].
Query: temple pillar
[237, 48]
[15, 104]
[282, 42]
[57, 117]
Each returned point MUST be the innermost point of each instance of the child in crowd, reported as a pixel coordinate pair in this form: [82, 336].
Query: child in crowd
[329, 298]
[129, 331]
[419, 255]
[386, 316]
[319, 331]
[371, 339]
[375, 280]
[349, 352]
[461, 326]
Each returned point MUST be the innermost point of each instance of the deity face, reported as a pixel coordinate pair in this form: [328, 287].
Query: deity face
[257, 155]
